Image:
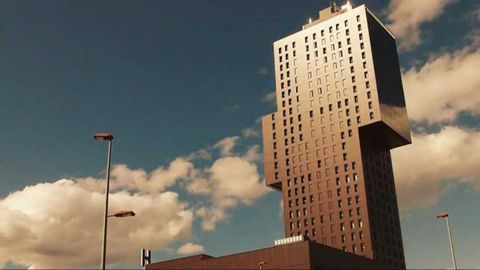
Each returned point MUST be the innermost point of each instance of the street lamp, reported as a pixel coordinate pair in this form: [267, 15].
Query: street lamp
[109, 138]
[261, 264]
[445, 215]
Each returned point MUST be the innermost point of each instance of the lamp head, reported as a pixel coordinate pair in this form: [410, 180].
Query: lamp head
[442, 215]
[124, 213]
[103, 136]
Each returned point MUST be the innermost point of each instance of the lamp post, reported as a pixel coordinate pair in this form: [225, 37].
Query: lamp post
[445, 215]
[109, 138]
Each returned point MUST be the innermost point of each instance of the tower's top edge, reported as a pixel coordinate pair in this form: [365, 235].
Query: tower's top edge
[329, 12]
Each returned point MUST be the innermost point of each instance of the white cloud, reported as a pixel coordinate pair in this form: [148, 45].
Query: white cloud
[124, 178]
[235, 178]
[270, 97]
[200, 154]
[251, 132]
[199, 186]
[63, 219]
[407, 17]
[440, 160]
[211, 216]
[444, 86]
[190, 248]
[59, 225]
[231, 180]
[280, 209]
[253, 154]
[226, 145]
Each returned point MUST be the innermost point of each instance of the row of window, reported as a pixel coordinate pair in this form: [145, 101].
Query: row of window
[322, 33]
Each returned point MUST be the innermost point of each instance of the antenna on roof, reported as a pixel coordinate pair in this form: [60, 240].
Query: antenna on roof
[333, 6]
[347, 6]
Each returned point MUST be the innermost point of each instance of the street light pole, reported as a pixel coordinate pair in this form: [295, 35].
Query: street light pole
[445, 215]
[109, 138]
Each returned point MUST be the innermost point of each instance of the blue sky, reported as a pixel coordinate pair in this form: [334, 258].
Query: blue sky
[181, 85]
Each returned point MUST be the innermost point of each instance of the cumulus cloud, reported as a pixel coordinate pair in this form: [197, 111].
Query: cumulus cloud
[270, 97]
[211, 216]
[124, 178]
[190, 248]
[250, 132]
[232, 180]
[235, 178]
[229, 181]
[59, 225]
[200, 154]
[446, 85]
[407, 17]
[441, 159]
[226, 145]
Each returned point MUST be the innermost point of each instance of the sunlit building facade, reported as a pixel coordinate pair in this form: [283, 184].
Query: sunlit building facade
[340, 109]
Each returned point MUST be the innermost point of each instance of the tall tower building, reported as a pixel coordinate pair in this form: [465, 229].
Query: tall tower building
[340, 109]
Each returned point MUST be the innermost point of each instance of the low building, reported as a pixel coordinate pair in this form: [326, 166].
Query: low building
[300, 255]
